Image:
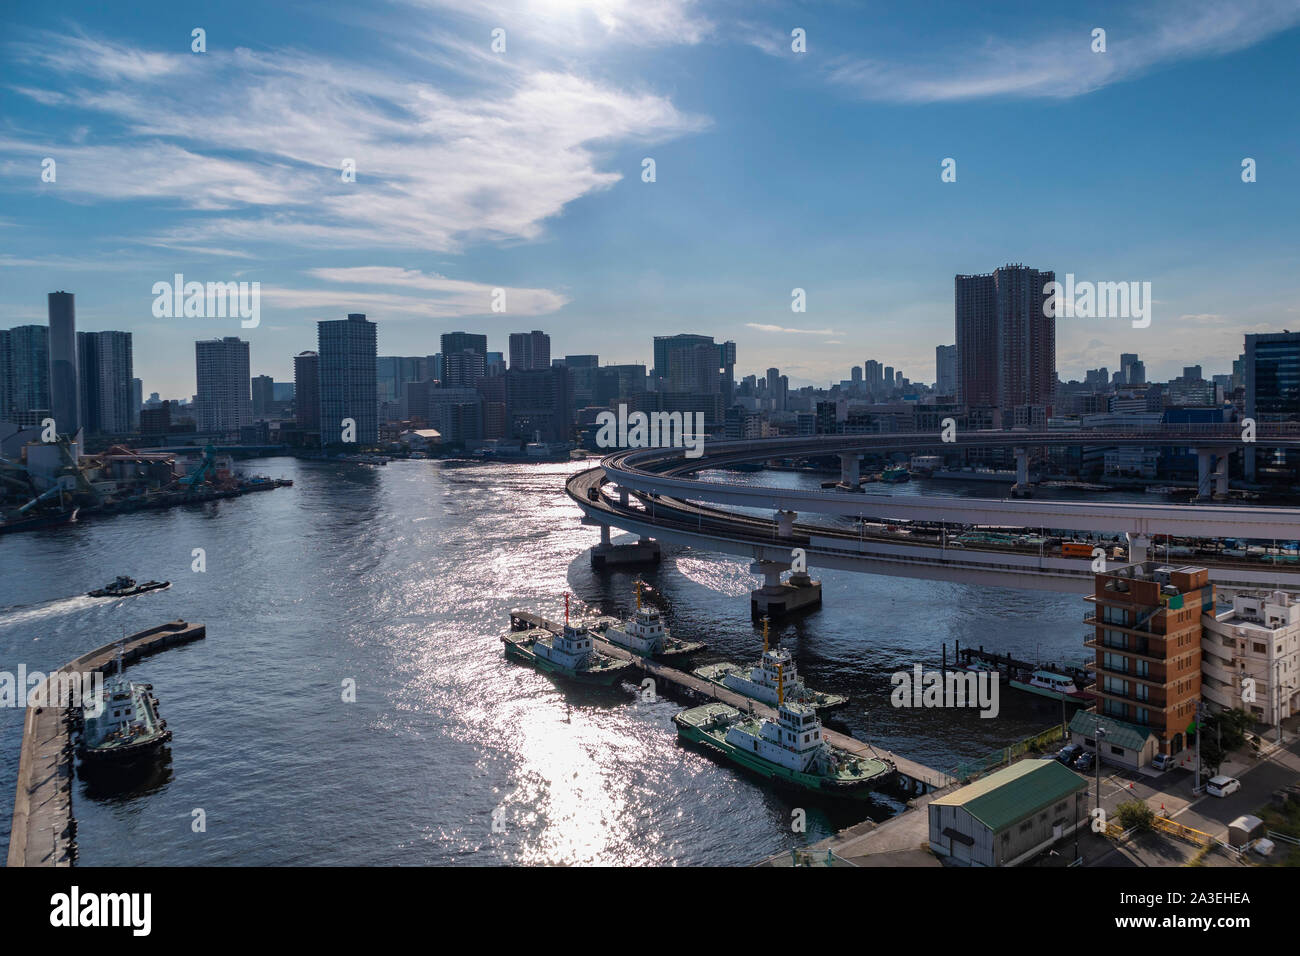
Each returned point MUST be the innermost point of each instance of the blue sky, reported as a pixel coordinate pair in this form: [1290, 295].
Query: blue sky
[774, 170]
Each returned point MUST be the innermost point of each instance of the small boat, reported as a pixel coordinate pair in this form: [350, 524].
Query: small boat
[767, 681]
[571, 653]
[1047, 683]
[122, 726]
[789, 748]
[895, 474]
[126, 587]
[647, 635]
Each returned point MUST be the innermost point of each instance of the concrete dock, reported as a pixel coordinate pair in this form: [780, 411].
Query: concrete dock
[43, 829]
[913, 777]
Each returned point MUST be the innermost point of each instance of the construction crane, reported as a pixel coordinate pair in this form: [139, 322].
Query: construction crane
[203, 472]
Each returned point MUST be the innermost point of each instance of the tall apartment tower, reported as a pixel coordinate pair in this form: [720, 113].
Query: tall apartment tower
[460, 341]
[104, 364]
[1006, 344]
[349, 387]
[26, 364]
[306, 390]
[65, 382]
[223, 397]
[530, 350]
[1148, 643]
[945, 369]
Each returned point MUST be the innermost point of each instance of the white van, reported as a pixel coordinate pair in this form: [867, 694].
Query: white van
[1222, 786]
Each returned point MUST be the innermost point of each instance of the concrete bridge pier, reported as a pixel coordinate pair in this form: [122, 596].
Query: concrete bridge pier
[776, 597]
[607, 554]
[1138, 544]
[785, 523]
[1211, 470]
[850, 471]
[1022, 488]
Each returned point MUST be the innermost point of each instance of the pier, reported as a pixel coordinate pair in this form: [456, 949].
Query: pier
[43, 831]
[1008, 666]
[913, 778]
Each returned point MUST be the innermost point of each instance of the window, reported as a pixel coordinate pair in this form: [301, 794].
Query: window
[1117, 751]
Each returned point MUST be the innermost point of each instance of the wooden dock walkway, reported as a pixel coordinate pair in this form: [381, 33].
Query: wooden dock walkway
[913, 776]
[43, 828]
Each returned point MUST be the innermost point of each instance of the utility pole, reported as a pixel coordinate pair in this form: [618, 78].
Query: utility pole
[1101, 733]
[1200, 713]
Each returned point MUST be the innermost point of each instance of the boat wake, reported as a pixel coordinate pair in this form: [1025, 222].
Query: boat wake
[26, 613]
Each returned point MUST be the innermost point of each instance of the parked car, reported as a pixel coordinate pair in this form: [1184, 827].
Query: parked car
[1067, 753]
[1084, 762]
[1263, 846]
[1222, 786]
[1163, 762]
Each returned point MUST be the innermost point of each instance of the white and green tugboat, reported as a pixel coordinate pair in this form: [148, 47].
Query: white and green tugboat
[788, 748]
[647, 635]
[122, 725]
[570, 653]
[760, 681]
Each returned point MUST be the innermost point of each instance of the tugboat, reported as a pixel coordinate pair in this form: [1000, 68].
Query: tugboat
[125, 726]
[763, 682]
[126, 587]
[896, 474]
[788, 748]
[647, 635]
[570, 653]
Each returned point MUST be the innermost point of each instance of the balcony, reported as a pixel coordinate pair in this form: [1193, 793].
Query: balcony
[1153, 702]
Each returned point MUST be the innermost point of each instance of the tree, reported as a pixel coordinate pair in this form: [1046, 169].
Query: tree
[1134, 814]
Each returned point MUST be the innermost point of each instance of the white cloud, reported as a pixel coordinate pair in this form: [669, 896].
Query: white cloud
[262, 138]
[1062, 64]
[762, 327]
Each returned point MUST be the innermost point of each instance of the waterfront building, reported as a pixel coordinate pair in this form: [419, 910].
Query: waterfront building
[347, 350]
[1147, 640]
[25, 372]
[945, 364]
[1010, 815]
[306, 390]
[539, 404]
[104, 364]
[1251, 655]
[65, 382]
[223, 397]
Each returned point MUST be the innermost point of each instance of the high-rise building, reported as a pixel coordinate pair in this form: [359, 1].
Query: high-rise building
[530, 350]
[539, 403]
[65, 382]
[263, 395]
[463, 369]
[460, 341]
[137, 402]
[665, 344]
[1272, 371]
[306, 390]
[348, 349]
[945, 363]
[223, 399]
[104, 364]
[26, 364]
[1006, 343]
[1147, 640]
[874, 376]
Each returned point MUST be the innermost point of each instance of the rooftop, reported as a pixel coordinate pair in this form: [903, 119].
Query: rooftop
[1014, 792]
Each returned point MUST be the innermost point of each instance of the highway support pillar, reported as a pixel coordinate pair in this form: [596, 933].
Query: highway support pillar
[850, 472]
[776, 597]
[1138, 544]
[607, 554]
[785, 523]
[1022, 488]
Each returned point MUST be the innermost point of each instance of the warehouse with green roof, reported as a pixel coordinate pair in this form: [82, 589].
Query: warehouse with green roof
[1009, 816]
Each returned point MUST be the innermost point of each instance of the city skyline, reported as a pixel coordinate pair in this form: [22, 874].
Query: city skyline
[841, 149]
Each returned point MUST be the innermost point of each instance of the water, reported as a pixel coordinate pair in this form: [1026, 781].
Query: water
[400, 578]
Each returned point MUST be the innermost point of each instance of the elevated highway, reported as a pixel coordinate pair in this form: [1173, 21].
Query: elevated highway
[656, 496]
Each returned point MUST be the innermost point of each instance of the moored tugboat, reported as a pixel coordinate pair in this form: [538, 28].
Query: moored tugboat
[123, 586]
[647, 635]
[570, 654]
[787, 749]
[761, 681]
[122, 726]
